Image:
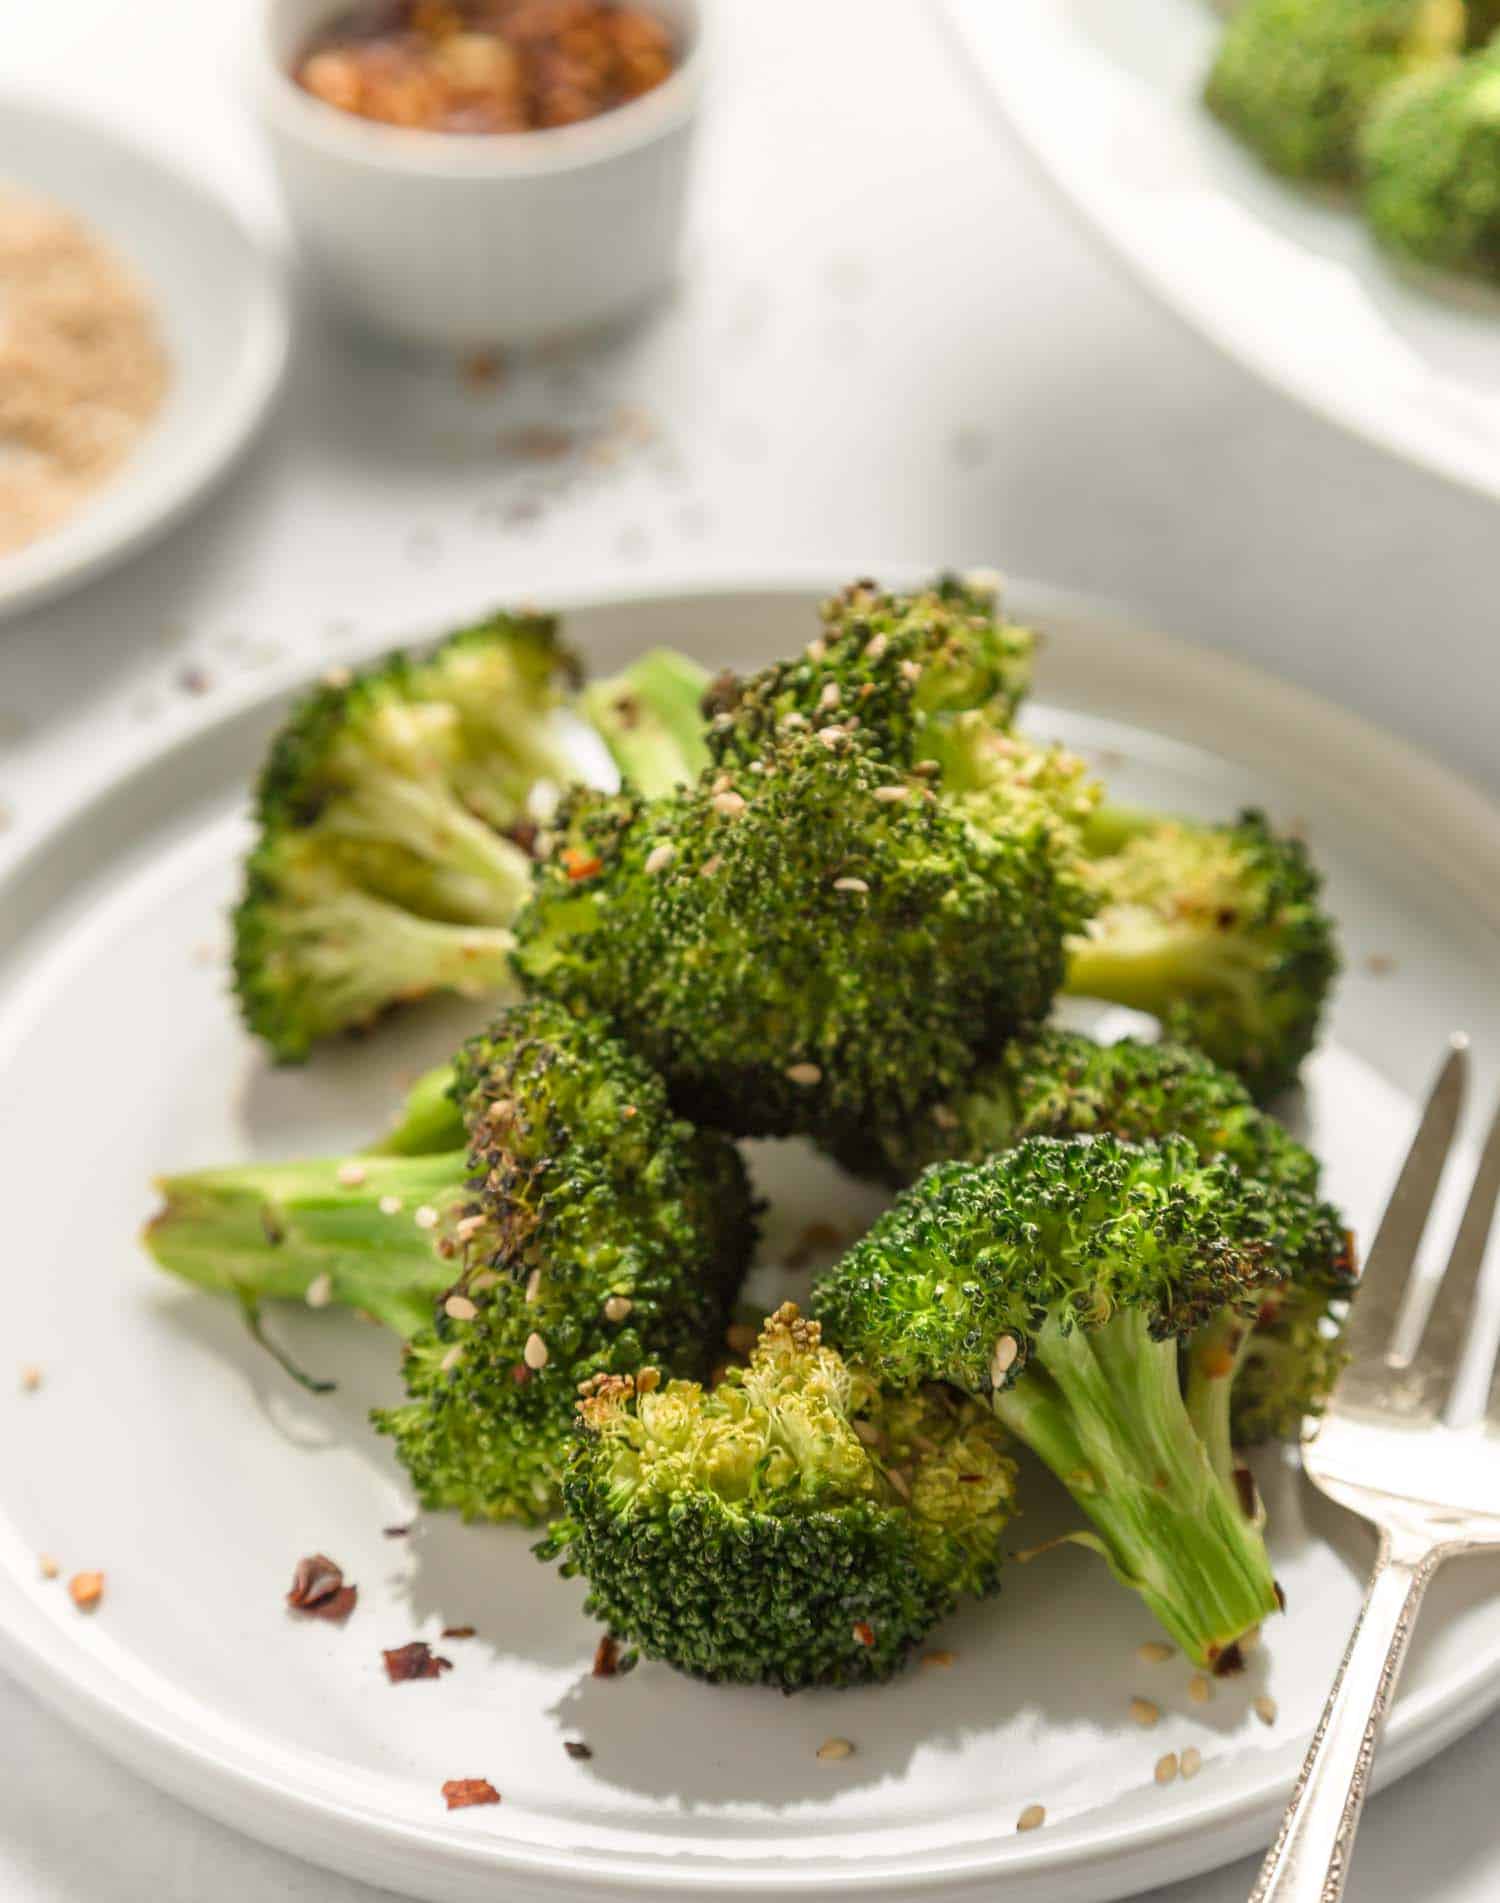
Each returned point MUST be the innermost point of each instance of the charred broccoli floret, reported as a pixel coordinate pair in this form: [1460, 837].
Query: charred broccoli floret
[1062, 1280]
[1218, 931]
[791, 1526]
[651, 719]
[1432, 168]
[582, 1230]
[393, 815]
[1295, 79]
[808, 940]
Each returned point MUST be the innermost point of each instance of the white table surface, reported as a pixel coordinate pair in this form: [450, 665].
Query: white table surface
[890, 346]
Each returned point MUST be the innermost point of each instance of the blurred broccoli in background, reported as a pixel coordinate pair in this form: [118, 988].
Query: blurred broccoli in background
[1295, 78]
[1431, 156]
[650, 716]
[791, 1526]
[395, 818]
[581, 1229]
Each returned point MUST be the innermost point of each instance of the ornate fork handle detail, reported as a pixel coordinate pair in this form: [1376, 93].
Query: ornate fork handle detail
[1309, 1862]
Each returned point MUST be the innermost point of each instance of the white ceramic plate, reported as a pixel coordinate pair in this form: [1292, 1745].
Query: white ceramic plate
[222, 311]
[1105, 94]
[165, 1449]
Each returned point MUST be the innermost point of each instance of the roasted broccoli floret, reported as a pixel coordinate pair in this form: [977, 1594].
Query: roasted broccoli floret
[810, 939]
[1295, 79]
[1063, 1280]
[792, 1526]
[394, 826]
[1218, 931]
[583, 1230]
[651, 719]
[1432, 168]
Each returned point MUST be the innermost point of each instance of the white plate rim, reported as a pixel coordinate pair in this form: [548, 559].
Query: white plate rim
[1259, 333]
[92, 541]
[1460, 829]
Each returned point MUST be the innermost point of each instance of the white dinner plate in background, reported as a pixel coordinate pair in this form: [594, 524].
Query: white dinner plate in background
[223, 315]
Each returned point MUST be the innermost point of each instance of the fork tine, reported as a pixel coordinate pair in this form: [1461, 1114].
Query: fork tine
[1382, 1287]
[1431, 1372]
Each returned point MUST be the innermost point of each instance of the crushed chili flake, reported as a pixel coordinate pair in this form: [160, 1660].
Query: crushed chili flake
[607, 1656]
[1230, 1662]
[417, 1660]
[576, 1748]
[396, 1532]
[318, 1589]
[459, 1631]
[86, 1590]
[580, 865]
[463, 1792]
[864, 1632]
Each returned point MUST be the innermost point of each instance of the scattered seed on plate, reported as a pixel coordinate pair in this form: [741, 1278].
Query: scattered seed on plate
[461, 1793]
[458, 1308]
[426, 1217]
[390, 1205]
[1153, 1652]
[1191, 1762]
[1200, 1688]
[352, 1174]
[86, 1590]
[47, 1566]
[319, 1291]
[1144, 1713]
[939, 1659]
[318, 1589]
[534, 1354]
[832, 1749]
[31, 1377]
[1166, 1768]
[1032, 1818]
[1265, 1709]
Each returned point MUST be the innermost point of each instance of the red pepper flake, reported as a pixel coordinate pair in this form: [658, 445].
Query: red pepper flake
[417, 1660]
[864, 1632]
[86, 1590]
[396, 1532]
[580, 865]
[607, 1656]
[1230, 1662]
[462, 1793]
[318, 1589]
[576, 1748]
[459, 1631]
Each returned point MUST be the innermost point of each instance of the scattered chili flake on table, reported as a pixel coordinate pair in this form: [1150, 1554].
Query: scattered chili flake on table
[403, 1663]
[607, 1657]
[462, 1793]
[318, 1589]
[459, 1631]
[576, 1748]
[31, 1377]
[86, 1590]
[396, 1532]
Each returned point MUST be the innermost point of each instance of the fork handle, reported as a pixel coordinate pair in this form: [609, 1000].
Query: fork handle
[1309, 1861]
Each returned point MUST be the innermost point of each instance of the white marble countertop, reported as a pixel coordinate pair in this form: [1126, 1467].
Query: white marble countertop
[890, 346]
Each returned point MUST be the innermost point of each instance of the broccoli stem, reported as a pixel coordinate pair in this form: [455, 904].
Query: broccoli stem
[1112, 826]
[1214, 1356]
[651, 719]
[429, 822]
[430, 1121]
[1151, 967]
[1103, 1408]
[269, 1232]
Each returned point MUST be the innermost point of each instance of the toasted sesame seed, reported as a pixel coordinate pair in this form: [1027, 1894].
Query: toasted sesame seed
[899, 1481]
[467, 1226]
[1003, 1358]
[31, 1377]
[739, 1338]
[939, 1659]
[832, 737]
[1153, 1652]
[390, 1205]
[862, 1632]
[486, 1278]
[1032, 1818]
[533, 1285]
[660, 857]
[910, 671]
[816, 650]
[869, 1433]
[807, 1074]
[47, 1566]
[617, 1308]
[1144, 1713]
[1166, 1767]
[451, 1360]
[86, 1590]
[731, 805]
[426, 1217]
[794, 720]
[944, 1117]
[831, 1749]
[710, 865]
[534, 1354]
[1191, 1762]
[891, 795]
[1200, 1688]
[459, 1308]
[1264, 1709]
[352, 1174]
[851, 885]
[830, 697]
[319, 1291]
[875, 647]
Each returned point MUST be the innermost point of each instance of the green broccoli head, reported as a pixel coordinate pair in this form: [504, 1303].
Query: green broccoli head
[1431, 154]
[651, 719]
[791, 1526]
[809, 940]
[583, 1229]
[394, 833]
[1063, 1279]
[1295, 79]
[1219, 932]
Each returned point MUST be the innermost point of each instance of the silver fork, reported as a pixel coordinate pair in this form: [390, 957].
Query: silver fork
[1384, 1451]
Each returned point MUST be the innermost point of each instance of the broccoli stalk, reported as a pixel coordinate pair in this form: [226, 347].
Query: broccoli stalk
[430, 1118]
[651, 719]
[1060, 1280]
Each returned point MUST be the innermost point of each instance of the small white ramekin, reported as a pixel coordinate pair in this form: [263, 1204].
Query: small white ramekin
[462, 242]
